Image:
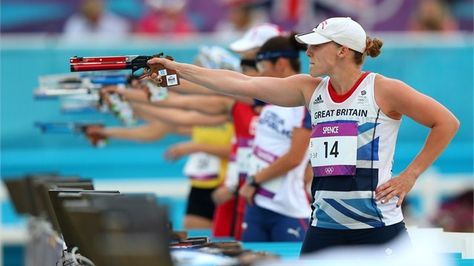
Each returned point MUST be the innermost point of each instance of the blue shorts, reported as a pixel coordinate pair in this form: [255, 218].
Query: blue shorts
[318, 239]
[262, 225]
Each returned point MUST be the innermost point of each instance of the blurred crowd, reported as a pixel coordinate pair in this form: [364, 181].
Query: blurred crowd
[176, 16]
[234, 17]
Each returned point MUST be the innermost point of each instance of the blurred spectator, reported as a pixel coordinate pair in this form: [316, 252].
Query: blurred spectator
[241, 16]
[456, 214]
[255, 38]
[165, 16]
[434, 16]
[94, 21]
[293, 14]
[463, 12]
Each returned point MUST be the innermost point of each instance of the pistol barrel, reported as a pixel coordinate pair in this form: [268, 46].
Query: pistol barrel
[79, 64]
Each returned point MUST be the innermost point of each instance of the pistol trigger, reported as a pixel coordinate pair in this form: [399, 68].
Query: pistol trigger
[142, 77]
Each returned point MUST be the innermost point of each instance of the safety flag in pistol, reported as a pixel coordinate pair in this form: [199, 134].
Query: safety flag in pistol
[89, 129]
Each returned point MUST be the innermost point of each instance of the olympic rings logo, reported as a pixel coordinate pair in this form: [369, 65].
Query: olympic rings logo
[329, 170]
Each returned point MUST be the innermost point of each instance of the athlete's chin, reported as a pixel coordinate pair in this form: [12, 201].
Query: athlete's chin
[314, 73]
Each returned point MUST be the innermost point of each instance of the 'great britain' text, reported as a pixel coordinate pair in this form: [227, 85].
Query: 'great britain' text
[340, 112]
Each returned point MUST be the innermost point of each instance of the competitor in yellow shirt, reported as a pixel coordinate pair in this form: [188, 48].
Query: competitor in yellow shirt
[208, 151]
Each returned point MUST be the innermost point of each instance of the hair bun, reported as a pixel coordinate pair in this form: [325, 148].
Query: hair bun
[373, 47]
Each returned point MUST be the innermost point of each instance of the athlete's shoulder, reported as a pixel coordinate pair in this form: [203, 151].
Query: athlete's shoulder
[382, 82]
[306, 79]
[391, 93]
[306, 83]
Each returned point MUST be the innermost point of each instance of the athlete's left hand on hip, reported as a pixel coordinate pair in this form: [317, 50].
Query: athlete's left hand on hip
[398, 186]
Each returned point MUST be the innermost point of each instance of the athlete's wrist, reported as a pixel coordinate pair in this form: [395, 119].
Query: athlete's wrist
[252, 182]
[411, 173]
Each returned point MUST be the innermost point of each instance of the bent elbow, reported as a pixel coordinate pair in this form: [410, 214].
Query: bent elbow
[455, 124]
[449, 126]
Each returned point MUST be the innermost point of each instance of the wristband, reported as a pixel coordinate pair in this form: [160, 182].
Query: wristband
[251, 182]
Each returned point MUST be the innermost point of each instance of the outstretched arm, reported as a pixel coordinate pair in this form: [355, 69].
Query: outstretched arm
[149, 132]
[185, 148]
[207, 104]
[291, 91]
[180, 117]
[137, 95]
[211, 103]
[396, 98]
[187, 87]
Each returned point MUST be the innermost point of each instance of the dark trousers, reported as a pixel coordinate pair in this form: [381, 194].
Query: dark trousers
[318, 239]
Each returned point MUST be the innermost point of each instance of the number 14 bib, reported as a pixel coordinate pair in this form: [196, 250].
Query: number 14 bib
[333, 148]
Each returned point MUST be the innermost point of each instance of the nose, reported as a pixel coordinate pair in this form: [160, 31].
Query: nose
[308, 52]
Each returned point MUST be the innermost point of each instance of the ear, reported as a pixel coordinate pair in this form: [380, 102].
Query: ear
[343, 51]
[281, 64]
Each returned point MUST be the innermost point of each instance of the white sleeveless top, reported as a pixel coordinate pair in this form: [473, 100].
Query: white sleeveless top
[285, 194]
[351, 151]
